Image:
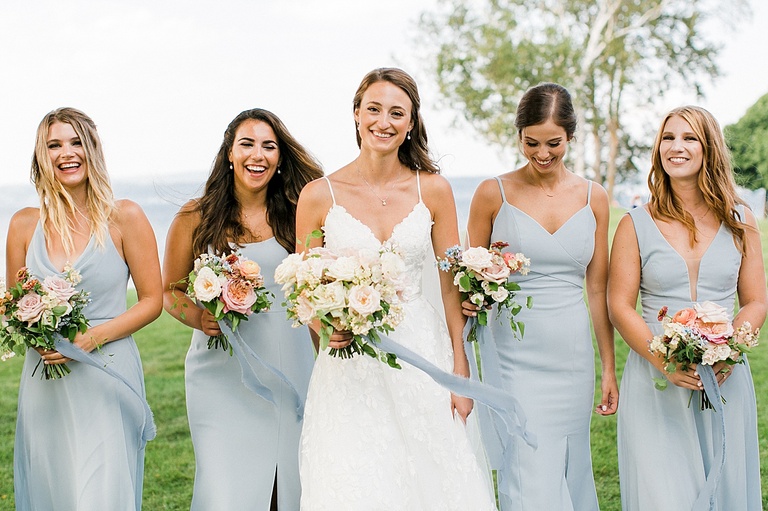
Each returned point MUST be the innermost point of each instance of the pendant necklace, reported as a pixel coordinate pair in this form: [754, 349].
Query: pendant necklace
[382, 199]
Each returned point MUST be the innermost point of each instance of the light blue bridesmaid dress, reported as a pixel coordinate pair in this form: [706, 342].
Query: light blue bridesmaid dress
[551, 370]
[241, 441]
[79, 440]
[665, 445]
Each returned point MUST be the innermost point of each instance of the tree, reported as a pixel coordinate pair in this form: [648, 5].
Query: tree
[604, 51]
[748, 142]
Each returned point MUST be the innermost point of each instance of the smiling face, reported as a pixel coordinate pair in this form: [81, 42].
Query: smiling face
[680, 149]
[255, 155]
[544, 145]
[384, 117]
[67, 155]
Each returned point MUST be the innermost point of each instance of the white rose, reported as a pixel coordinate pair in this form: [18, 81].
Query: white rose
[476, 258]
[311, 271]
[478, 299]
[343, 268]
[329, 297]
[364, 300]
[286, 270]
[304, 309]
[207, 285]
[715, 353]
[710, 312]
[392, 265]
[500, 295]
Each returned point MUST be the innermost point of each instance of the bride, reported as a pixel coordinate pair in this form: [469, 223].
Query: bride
[374, 437]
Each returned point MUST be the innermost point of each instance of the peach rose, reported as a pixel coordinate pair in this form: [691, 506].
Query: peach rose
[497, 273]
[685, 317]
[238, 296]
[250, 270]
[716, 333]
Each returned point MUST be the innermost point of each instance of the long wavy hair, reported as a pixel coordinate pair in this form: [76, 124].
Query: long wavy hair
[57, 208]
[715, 178]
[543, 102]
[219, 208]
[413, 153]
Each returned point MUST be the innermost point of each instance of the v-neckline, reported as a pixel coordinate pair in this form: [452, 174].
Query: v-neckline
[367, 227]
[73, 264]
[554, 233]
[680, 256]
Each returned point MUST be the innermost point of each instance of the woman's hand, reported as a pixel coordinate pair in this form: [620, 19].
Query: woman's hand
[469, 309]
[52, 357]
[340, 339]
[689, 379]
[609, 402]
[461, 405]
[208, 324]
[722, 372]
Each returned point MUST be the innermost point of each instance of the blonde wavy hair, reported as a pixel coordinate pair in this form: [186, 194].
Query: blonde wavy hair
[715, 178]
[57, 208]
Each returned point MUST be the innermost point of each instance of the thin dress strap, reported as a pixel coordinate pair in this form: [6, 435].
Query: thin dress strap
[589, 191]
[501, 189]
[418, 184]
[331, 189]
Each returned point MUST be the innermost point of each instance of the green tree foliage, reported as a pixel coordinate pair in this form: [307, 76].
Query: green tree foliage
[488, 52]
[748, 142]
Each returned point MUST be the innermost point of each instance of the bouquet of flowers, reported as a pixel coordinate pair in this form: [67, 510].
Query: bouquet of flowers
[231, 287]
[703, 335]
[358, 291]
[34, 312]
[481, 275]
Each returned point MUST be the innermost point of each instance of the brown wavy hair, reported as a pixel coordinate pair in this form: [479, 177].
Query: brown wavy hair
[219, 208]
[715, 178]
[413, 153]
[55, 200]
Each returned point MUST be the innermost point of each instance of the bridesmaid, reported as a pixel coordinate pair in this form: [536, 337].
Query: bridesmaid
[694, 241]
[560, 221]
[246, 448]
[95, 458]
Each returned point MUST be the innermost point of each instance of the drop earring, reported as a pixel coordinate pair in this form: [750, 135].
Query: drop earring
[231, 167]
[408, 135]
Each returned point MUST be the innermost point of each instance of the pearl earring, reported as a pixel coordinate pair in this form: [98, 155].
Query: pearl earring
[231, 167]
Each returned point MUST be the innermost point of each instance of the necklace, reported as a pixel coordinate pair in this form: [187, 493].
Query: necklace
[382, 199]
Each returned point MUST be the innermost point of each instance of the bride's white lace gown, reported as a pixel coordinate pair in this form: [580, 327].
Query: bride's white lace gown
[377, 438]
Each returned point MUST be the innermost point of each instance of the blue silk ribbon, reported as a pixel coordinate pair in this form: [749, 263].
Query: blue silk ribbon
[706, 498]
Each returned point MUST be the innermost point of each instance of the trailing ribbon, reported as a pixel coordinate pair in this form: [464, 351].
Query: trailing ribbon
[497, 445]
[506, 406]
[250, 379]
[706, 499]
[66, 348]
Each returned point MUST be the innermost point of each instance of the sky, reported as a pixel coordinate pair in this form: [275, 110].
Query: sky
[163, 78]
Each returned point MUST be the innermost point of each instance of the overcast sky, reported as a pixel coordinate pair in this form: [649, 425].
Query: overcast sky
[163, 78]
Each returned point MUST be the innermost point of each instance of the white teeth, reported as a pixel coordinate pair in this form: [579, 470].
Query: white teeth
[380, 134]
[678, 160]
[543, 162]
[255, 168]
[64, 166]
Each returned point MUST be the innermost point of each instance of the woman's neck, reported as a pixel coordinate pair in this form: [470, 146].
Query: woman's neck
[378, 168]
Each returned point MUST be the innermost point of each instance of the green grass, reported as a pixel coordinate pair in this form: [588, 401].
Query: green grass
[169, 467]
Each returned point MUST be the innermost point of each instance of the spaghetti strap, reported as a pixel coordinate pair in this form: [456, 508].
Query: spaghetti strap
[418, 184]
[501, 189]
[331, 189]
[589, 191]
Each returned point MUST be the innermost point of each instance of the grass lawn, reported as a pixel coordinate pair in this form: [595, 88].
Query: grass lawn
[169, 468]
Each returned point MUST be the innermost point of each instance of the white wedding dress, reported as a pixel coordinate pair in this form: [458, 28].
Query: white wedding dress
[377, 438]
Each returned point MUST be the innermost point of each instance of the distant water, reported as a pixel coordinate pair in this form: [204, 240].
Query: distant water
[160, 201]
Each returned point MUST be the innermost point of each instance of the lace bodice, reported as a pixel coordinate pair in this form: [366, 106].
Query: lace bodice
[411, 237]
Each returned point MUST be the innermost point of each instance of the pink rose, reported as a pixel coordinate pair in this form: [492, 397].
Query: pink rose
[31, 308]
[250, 270]
[497, 273]
[716, 333]
[685, 317]
[59, 288]
[238, 296]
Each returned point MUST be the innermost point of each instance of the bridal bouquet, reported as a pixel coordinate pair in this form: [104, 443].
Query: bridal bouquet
[231, 287]
[702, 335]
[358, 291]
[481, 275]
[34, 312]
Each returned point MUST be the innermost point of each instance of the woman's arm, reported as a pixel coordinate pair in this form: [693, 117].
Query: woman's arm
[596, 283]
[139, 249]
[751, 289]
[445, 233]
[20, 231]
[623, 288]
[178, 261]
